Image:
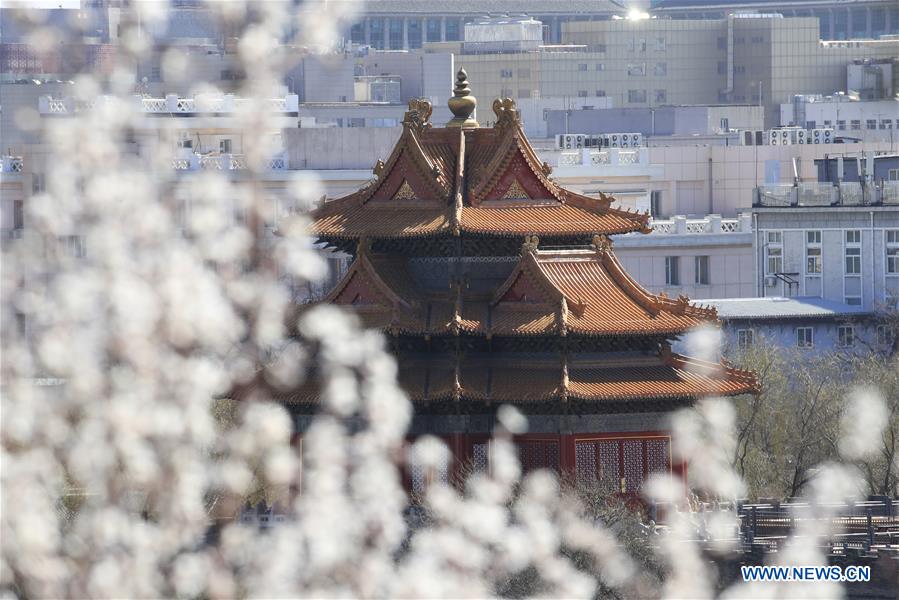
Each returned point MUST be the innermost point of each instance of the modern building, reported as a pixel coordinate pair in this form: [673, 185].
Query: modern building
[867, 120]
[709, 257]
[496, 285]
[813, 325]
[400, 24]
[870, 169]
[839, 20]
[744, 58]
[839, 243]
[669, 120]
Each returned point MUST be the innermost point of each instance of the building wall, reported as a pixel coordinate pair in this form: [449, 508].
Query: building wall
[329, 77]
[872, 287]
[825, 334]
[735, 172]
[741, 60]
[339, 148]
[849, 118]
[729, 255]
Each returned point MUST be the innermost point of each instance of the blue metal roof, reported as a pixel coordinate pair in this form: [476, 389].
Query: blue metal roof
[781, 308]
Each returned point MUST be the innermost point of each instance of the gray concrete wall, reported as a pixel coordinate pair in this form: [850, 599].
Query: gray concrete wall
[329, 78]
[339, 148]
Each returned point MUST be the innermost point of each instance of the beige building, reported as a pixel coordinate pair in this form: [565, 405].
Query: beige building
[763, 59]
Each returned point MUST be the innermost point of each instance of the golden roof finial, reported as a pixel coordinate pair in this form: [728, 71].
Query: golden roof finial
[462, 104]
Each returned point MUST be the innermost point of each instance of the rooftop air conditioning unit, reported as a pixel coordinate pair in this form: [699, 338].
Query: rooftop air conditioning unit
[770, 281]
[615, 140]
[822, 136]
[636, 140]
[802, 136]
[579, 143]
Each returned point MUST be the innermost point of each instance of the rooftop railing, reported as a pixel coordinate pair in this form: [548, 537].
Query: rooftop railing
[224, 162]
[849, 193]
[607, 157]
[11, 164]
[681, 225]
[216, 105]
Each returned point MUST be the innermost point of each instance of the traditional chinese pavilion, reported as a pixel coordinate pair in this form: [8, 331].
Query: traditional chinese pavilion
[495, 285]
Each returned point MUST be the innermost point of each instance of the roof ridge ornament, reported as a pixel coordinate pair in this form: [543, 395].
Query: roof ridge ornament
[601, 243]
[419, 112]
[506, 113]
[530, 244]
[462, 104]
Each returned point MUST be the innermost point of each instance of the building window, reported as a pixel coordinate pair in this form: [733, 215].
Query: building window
[702, 270]
[724, 124]
[18, 215]
[73, 245]
[433, 30]
[884, 335]
[893, 174]
[810, 124]
[655, 203]
[805, 337]
[524, 73]
[845, 336]
[722, 68]
[225, 146]
[505, 73]
[855, 124]
[600, 93]
[452, 30]
[841, 124]
[38, 183]
[886, 124]
[853, 252]
[744, 338]
[582, 93]
[774, 253]
[722, 43]
[892, 251]
[672, 270]
[853, 300]
[636, 69]
[582, 67]
[661, 69]
[740, 69]
[871, 123]
[661, 96]
[828, 123]
[813, 252]
[661, 46]
[600, 67]
[636, 96]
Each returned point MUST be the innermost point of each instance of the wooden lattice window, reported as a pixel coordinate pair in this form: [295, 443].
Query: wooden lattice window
[622, 464]
[538, 454]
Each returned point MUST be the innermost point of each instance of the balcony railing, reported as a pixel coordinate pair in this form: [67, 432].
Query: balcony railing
[172, 104]
[224, 162]
[681, 225]
[11, 164]
[851, 193]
